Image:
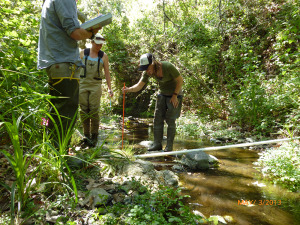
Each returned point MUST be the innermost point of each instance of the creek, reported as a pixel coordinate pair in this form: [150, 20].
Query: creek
[234, 191]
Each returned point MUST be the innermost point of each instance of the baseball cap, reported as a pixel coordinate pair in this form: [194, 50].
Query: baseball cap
[99, 39]
[145, 61]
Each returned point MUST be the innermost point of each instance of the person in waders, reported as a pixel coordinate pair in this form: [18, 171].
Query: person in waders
[58, 54]
[168, 101]
[90, 88]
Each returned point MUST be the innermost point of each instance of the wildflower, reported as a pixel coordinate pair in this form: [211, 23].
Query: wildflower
[45, 122]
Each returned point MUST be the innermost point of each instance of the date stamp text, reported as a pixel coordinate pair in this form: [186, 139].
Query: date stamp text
[259, 202]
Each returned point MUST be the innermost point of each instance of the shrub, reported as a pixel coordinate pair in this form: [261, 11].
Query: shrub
[162, 207]
[282, 165]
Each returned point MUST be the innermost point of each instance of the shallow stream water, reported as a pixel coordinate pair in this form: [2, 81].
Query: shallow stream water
[233, 191]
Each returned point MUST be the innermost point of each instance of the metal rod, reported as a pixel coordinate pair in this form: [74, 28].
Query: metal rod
[214, 148]
[123, 115]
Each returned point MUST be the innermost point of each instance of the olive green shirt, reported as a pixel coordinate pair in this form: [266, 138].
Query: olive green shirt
[168, 83]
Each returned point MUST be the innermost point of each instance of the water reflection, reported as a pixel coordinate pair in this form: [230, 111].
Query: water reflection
[233, 190]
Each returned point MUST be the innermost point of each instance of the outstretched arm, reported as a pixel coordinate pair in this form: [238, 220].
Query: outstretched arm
[135, 88]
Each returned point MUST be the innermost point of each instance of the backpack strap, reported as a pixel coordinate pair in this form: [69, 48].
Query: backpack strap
[86, 54]
[100, 55]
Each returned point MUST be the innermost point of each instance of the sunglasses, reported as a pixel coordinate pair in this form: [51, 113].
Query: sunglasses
[99, 38]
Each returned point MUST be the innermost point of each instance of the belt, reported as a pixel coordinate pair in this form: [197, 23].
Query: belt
[73, 67]
[169, 96]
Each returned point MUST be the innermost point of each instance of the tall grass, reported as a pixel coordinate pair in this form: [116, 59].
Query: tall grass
[30, 161]
[57, 156]
[21, 188]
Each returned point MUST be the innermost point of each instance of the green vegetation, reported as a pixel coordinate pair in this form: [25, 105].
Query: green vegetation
[240, 63]
[282, 165]
[162, 207]
[20, 164]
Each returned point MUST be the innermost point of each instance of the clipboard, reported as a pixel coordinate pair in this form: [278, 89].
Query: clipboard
[99, 21]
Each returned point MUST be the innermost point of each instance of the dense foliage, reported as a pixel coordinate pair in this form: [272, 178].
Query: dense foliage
[239, 60]
[23, 87]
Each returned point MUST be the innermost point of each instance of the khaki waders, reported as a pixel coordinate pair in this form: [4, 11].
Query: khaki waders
[90, 92]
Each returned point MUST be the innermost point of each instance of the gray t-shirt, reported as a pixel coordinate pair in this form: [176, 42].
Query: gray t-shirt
[58, 21]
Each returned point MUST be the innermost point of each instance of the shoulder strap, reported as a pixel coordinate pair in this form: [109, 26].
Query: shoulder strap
[86, 54]
[100, 55]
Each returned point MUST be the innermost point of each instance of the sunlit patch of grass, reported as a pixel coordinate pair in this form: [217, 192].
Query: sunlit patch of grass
[193, 125]
[282, 165]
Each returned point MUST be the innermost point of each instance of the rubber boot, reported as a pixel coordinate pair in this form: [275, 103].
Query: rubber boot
[94, 126]
[95, 121]
[86, 141]
[158, 137]
[171, 131]
[94, 139]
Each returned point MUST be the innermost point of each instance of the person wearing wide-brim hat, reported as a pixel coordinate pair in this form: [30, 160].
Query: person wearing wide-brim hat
[169, 99]
[90, 88]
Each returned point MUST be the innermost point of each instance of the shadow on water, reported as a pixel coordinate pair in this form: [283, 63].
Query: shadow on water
[233, 190]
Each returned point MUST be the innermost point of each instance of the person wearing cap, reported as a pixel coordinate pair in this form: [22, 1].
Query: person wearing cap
[90, 88]
[169, 100]
[58, 54]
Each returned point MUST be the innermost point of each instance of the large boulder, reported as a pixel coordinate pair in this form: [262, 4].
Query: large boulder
[196, 160]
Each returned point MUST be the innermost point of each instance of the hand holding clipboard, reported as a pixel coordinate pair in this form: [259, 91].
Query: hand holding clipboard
[98, 22]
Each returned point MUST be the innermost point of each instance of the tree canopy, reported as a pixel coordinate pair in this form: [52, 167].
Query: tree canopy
[239, 59]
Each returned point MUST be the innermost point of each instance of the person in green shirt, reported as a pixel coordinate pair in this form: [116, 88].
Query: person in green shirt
[169, 100]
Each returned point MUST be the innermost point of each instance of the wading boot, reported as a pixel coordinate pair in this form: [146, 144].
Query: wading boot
[158, 136]
[86, 131]
[86, 123]
[94, 139]
[64, 112]
[86, 141]
[95, 128]
[170, 139]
